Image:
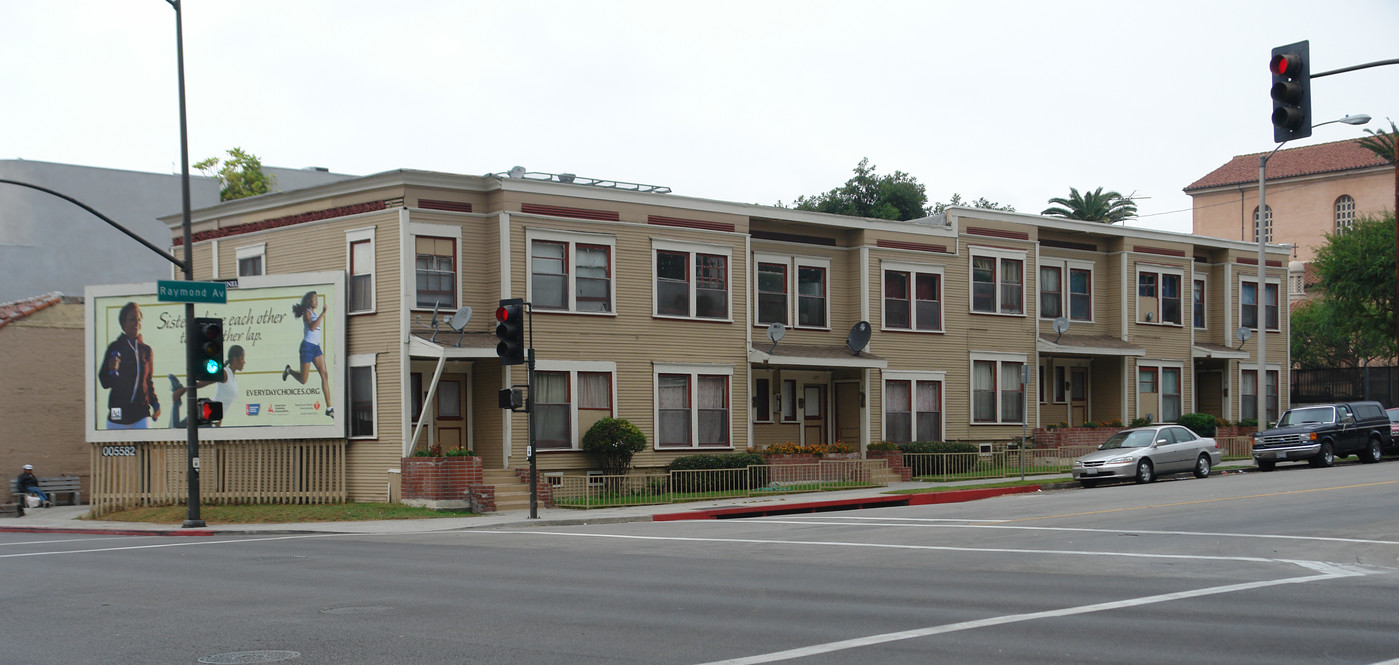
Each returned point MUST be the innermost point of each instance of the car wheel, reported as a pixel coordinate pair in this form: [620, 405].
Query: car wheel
[1088, 483]
[1266, 465]
[1202, 467]
[1146, 473]
[1374, 451]
[1327, 456]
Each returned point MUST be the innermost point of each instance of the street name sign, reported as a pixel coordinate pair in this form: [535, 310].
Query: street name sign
[169, 290]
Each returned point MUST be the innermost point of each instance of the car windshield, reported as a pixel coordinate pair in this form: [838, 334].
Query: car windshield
[1316, 414]
[1132, 439]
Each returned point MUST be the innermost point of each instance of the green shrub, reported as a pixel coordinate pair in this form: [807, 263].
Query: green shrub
[883, 445]
[716, 461]
[613, 442]
[955, 457]
[1248, 422]
[1202, 424]
[703, 482]
[1144, 421]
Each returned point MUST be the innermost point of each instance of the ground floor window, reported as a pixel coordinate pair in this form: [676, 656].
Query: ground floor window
[568, 399]
[912, 410]
[997, 392]
[1248, 395]
[693, 406]
[362, 396]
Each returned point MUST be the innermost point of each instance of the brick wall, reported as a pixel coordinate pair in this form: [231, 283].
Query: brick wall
[42, 378]
[440, 478]
[1073, 436]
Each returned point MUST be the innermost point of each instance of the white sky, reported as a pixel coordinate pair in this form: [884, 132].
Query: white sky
[746, 101]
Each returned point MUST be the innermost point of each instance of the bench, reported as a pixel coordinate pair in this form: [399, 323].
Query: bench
[53, 486]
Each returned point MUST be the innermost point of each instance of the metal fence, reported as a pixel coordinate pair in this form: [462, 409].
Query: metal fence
[154, 473]
[1338, 384]
[1005, 462]
[636, 489]
[1235, 447]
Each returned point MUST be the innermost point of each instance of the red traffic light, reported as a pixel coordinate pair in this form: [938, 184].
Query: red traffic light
[1286, 64]
[502, 314]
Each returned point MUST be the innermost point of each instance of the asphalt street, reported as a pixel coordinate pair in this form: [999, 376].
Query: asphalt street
[1295, 566]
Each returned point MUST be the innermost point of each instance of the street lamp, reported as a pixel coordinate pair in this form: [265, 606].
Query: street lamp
[1260, 298]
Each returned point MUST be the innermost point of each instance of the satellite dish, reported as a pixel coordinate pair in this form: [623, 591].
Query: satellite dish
[458, 322]
[517, 172]
[776, 331]
[1061, 325]
[859, 337]
[1242, 334]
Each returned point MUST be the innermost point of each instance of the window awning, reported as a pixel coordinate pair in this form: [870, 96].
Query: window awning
[1218, 351]
[1087, 345]
[798, 355]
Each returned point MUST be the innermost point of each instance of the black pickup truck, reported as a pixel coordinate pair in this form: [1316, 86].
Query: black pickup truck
[1319, 434]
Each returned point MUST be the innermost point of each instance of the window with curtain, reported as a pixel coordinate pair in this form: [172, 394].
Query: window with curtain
[984, 391]
[898, 306]
[1080, 294]
[713, 414]
[1248, 305]
[436, 272]
[711, 286]
[1012, 398]
[553, 412]
[1012, 286]
[998, 285]
[593, 281]
[898, 411]
[1197, 303]
[1051, 292]
[912, 300]
[361, 276]
[1170, 394]
[692, 284]
[674, 427]
[928, 410]
[1248, 394]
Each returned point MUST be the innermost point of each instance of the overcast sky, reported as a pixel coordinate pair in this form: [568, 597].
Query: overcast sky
[746, 101]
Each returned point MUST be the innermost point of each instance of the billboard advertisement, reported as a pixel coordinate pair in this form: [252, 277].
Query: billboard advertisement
[284, 361]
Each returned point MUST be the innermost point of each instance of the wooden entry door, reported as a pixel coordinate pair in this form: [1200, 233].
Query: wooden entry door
[814, 414]
[1078, 396]
[847, 412]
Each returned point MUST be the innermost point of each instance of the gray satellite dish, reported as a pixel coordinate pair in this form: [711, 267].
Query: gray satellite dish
[517, 172]
[776, 332]
[458, 322]
[859, 337]
[1242, 334]
[1061, 325]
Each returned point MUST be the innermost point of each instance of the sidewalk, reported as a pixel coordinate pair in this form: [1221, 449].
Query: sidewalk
[68, 519]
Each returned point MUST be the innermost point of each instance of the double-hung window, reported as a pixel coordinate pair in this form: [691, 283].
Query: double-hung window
[1197, 302]
[1248, 299]
[693, 407]
[912, 297]
[435, 265]
[360, 258]
[1159, 296]
[252, 260]
[1159, 392]
[913, 406]
[997, 394]
[569, 397]
[1248, 395]
[792, 290]
[1051, 292]
[1066, 289]
[998, 281]
[363, 398]
[571, 272]
[692, 281]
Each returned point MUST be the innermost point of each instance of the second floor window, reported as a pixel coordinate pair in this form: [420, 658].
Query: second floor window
[998, 285]
[436, 272]
[571, 276]
[1158, 298]
[1197, 303]
[792, 290]
[912, 300]
[361, 275]
[811, 297]
[692, 284]
[1248, 299]
[1345, 213]
[1051, 292]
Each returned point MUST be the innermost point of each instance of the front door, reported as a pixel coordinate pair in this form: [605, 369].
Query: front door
[1078, 396]
[814, 414]
[449, 416]
[847, 412]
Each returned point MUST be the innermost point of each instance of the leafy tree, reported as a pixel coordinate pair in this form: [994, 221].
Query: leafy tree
[1381, 142]
[1321, 338]
[1355, 271]
[1094, 206]
[898, 196]
[981, 203]
[240, 176]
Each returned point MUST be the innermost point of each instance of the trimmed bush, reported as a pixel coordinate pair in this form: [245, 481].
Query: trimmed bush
[953, 457]
[703, 482]
[1202, 424]
[883, 445]
[613, 442]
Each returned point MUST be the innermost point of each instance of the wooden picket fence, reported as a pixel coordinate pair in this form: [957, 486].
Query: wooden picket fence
[231, 472]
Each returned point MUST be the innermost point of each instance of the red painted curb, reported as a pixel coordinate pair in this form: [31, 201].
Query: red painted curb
[883, 501]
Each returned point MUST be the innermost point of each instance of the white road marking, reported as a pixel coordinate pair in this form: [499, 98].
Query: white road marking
[858, 642]
[185, 543]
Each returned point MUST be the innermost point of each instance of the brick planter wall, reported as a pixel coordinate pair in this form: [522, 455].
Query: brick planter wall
[895, 460]
[440, 482]
[1073, 436]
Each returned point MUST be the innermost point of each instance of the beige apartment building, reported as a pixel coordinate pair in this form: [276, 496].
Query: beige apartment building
[1311, 191]
[717, 326]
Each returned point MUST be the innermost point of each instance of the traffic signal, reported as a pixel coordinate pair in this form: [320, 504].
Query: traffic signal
[208, 412]
[510, 328]
[511, 398]
[208, 349]
[1292, 92]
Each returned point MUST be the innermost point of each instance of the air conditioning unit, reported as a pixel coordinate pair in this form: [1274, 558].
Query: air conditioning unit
[987, 448]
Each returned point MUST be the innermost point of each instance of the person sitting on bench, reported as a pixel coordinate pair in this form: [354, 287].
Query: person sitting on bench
[29, 484]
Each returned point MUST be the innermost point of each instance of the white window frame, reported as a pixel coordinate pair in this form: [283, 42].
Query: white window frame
[913, 270]
[998, 254]
[1275, 405]
[692, 249]
[352, 237]
[999, 358]
[370, 360]
[1160, 367]
[1066, 267]
[794, 265]
[572, 240]
[1160, 271]
[695, 372]
[241, 254]
[912, 378]
[574, 368]
[416, 229]
[1262, 300]
[1205, 310]
[1345, 213]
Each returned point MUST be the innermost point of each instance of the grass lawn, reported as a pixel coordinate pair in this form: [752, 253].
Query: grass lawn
[280, 514]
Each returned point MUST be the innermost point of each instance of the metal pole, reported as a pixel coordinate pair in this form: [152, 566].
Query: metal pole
[529, 413]
[1262, 382]
[191, 397]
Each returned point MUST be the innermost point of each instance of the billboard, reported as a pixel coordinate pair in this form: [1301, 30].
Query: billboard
[284, 357]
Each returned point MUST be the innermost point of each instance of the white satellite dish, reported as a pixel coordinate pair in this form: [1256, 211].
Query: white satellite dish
[517, 172]
[1061, 325]
[776, 331]
[458, 322]
[1243, 334]
[859, 337]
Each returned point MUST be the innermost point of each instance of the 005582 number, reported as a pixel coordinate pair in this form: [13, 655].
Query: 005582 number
[118, 451]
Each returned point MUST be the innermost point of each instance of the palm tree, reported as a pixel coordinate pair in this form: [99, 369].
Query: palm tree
[1381, 142]
[1095, 206]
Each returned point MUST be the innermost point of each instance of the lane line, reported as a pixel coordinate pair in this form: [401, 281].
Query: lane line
[188, 543]
[871, 640]
[1200, 501]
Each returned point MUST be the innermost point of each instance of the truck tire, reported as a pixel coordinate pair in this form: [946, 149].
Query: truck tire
[1325, 458]
[1374, 451]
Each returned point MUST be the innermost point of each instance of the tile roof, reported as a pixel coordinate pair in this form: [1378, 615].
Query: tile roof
[1335, 157]
[18, 309]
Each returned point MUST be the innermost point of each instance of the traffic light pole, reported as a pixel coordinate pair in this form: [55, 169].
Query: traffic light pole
[191, 396]
[529, 413]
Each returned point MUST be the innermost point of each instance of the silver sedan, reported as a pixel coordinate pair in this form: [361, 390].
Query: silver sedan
[1144, 453]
